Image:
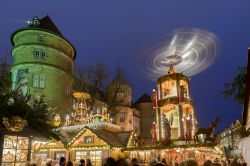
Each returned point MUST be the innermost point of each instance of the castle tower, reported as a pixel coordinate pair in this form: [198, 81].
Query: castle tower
[119, 99]
[175, 106]
[119, 91]
[43, 63]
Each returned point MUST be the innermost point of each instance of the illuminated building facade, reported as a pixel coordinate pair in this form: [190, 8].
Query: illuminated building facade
[43, 63]
[120, 98]
[230, 137]
[175, 106]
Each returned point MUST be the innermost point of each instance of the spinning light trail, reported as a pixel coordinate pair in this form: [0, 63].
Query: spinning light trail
[190, 51]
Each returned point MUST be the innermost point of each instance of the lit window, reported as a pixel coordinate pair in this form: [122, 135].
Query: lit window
[36, 21]
[43, 55]
[35, 81]
[41, 38]
[37, 54]
[42, 81]
[15, 150]
[38, 81]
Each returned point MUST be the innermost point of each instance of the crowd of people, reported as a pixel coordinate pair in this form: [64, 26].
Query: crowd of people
[153, 162]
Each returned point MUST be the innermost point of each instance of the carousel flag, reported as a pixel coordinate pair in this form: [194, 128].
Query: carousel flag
[154, 99]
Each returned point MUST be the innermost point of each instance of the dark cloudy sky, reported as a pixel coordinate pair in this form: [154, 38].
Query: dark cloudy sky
[113, 31]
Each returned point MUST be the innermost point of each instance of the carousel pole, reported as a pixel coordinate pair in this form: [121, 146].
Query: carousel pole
[158, 114]
[160, 123]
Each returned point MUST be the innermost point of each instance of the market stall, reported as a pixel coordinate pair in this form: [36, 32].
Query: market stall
[174, 153]
[16, 147]
[96, 144]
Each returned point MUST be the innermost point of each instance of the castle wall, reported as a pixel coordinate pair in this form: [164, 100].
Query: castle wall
[147, 116]
[43, 65]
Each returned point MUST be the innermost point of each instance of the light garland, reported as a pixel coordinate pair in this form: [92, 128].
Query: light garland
[205, 149]
[91, 148]
[90, 125]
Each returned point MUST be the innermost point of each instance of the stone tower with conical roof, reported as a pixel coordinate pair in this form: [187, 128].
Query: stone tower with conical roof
[43, 61]
[119, 99]
[119, 91]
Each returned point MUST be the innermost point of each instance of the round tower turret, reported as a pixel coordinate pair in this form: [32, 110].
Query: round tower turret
[43, 63]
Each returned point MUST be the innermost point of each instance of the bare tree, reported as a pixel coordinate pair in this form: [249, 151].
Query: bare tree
[5, 82]
[80, 83]
[96, 78]
[97, 75]
[92, 80]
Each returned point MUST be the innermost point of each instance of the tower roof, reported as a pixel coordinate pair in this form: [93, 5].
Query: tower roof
[119, 78]
[44, 24]
[48, 24]
[145, 98]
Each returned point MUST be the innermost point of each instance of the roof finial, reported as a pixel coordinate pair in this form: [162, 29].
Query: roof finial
[171, 69]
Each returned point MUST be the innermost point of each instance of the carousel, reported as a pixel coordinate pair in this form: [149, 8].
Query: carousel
[172, 60]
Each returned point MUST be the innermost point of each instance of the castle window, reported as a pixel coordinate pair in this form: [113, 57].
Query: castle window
[36, 21]
[38, 81]
[43, 55]
[122, 116]
[42, 82]
[68, 90]
[35, 81]
[37, 54]
[41, 38]
[136, 125]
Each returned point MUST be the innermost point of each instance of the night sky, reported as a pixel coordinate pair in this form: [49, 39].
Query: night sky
[114, 31]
